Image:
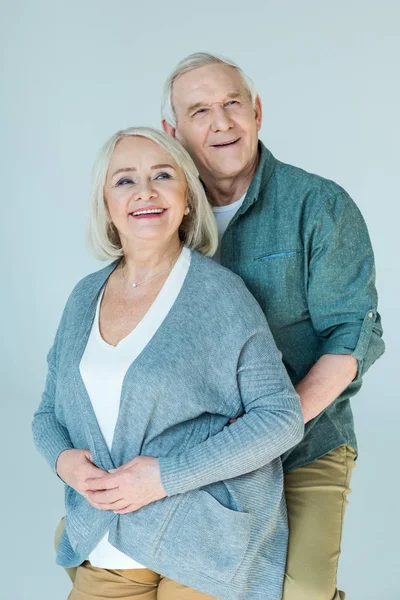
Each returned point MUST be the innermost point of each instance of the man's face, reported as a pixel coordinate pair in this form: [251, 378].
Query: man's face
[216, 122]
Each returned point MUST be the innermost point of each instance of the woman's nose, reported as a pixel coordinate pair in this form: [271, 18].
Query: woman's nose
[145, 191]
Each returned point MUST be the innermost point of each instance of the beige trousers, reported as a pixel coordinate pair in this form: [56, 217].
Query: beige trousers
[92, 583]
[316, 497]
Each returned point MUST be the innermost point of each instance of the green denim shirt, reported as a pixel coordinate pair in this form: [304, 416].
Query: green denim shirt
[302, 247]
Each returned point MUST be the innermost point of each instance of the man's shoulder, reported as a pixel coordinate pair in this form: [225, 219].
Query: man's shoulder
[293, 195]
[312, 185]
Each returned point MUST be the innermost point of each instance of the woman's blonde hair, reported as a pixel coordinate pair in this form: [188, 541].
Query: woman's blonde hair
[198, 230]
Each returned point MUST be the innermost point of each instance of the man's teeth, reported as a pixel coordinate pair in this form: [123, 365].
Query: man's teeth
[227, 143]
[152, 211]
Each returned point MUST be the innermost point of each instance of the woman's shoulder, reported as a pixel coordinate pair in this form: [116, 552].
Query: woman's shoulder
[224, 290]
[92, 281]
[84, 291]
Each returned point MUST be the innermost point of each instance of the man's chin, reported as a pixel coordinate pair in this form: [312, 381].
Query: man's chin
[228, 169]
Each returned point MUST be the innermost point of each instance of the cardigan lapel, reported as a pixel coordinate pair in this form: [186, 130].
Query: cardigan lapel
[97, 445]
[163, 331]
[101, 455]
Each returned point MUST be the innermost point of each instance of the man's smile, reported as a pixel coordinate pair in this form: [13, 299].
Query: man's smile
[227, 143]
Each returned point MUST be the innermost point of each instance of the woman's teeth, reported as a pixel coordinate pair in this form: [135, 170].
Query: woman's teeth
[152, 211]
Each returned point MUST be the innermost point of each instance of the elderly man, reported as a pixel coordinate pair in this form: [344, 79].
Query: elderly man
[302, 247]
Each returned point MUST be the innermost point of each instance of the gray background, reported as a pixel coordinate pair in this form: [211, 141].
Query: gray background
[73, 73]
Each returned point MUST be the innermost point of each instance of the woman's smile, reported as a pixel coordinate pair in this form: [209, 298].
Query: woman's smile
[145, 193]
[148, 213]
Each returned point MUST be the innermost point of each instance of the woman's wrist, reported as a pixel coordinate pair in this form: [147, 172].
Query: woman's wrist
[61, 461]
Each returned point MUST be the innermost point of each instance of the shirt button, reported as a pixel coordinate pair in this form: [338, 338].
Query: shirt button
[371, 315]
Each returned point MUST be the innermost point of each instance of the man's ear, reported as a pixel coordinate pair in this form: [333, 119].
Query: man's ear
[168, 128]
[258, 112]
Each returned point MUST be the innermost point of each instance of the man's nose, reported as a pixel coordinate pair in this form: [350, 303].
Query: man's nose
[221, 121]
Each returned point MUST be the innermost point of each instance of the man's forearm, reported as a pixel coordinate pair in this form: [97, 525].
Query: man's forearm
[327, 379]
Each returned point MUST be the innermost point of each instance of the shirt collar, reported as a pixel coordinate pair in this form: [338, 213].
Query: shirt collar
[266, 166]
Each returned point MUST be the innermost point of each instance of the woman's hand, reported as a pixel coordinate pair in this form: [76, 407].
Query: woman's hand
[75, 467]
[128, 488]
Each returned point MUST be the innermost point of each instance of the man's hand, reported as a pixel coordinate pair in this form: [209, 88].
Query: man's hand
[75, 467]
[235, 419]
[128, 488]
[324, 382]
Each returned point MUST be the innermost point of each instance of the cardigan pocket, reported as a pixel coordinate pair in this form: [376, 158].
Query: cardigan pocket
[206, 537]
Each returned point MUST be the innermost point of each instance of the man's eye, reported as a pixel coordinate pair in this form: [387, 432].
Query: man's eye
[163, 175]
[231, 102]
[200, 111]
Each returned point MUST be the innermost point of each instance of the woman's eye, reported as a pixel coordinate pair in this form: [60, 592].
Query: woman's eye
[163, 176]
[124, 181]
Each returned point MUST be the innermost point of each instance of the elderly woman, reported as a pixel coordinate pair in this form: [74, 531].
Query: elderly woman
[154, 355]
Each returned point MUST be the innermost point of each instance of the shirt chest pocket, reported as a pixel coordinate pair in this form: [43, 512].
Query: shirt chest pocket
[277, 278]
[278, 254]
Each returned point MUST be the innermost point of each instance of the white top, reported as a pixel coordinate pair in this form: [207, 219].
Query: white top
[224, 215]
[103, 368]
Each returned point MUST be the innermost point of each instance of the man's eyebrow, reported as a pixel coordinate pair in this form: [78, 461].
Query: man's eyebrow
[231, 96]
[235, 94]
[125, 169]
[193, 107]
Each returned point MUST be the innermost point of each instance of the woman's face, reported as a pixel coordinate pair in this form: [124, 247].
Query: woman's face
[145, 192]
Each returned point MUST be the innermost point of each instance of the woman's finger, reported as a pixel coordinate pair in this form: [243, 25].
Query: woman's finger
[118, 505]
[107, 481]
[126, 465]
[105, 496]
[128, 509]
[115, 506]
[94, 472]
[95, 505]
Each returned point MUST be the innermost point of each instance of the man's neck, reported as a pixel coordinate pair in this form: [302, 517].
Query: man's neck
[224, 191]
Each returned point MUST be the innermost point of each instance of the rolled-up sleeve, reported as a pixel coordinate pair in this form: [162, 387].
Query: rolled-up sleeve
[342, 296]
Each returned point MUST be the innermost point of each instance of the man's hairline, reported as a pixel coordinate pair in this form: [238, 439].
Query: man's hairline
[237, 69]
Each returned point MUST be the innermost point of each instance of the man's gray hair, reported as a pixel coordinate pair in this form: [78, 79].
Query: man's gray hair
[196, 61]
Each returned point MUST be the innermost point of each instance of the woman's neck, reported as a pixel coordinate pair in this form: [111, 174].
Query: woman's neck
[141, 260]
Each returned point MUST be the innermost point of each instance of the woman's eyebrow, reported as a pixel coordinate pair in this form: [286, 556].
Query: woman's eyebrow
[124, 169]
[162, 167]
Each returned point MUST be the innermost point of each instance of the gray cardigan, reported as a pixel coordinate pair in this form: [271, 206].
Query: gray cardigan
[222, 528]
